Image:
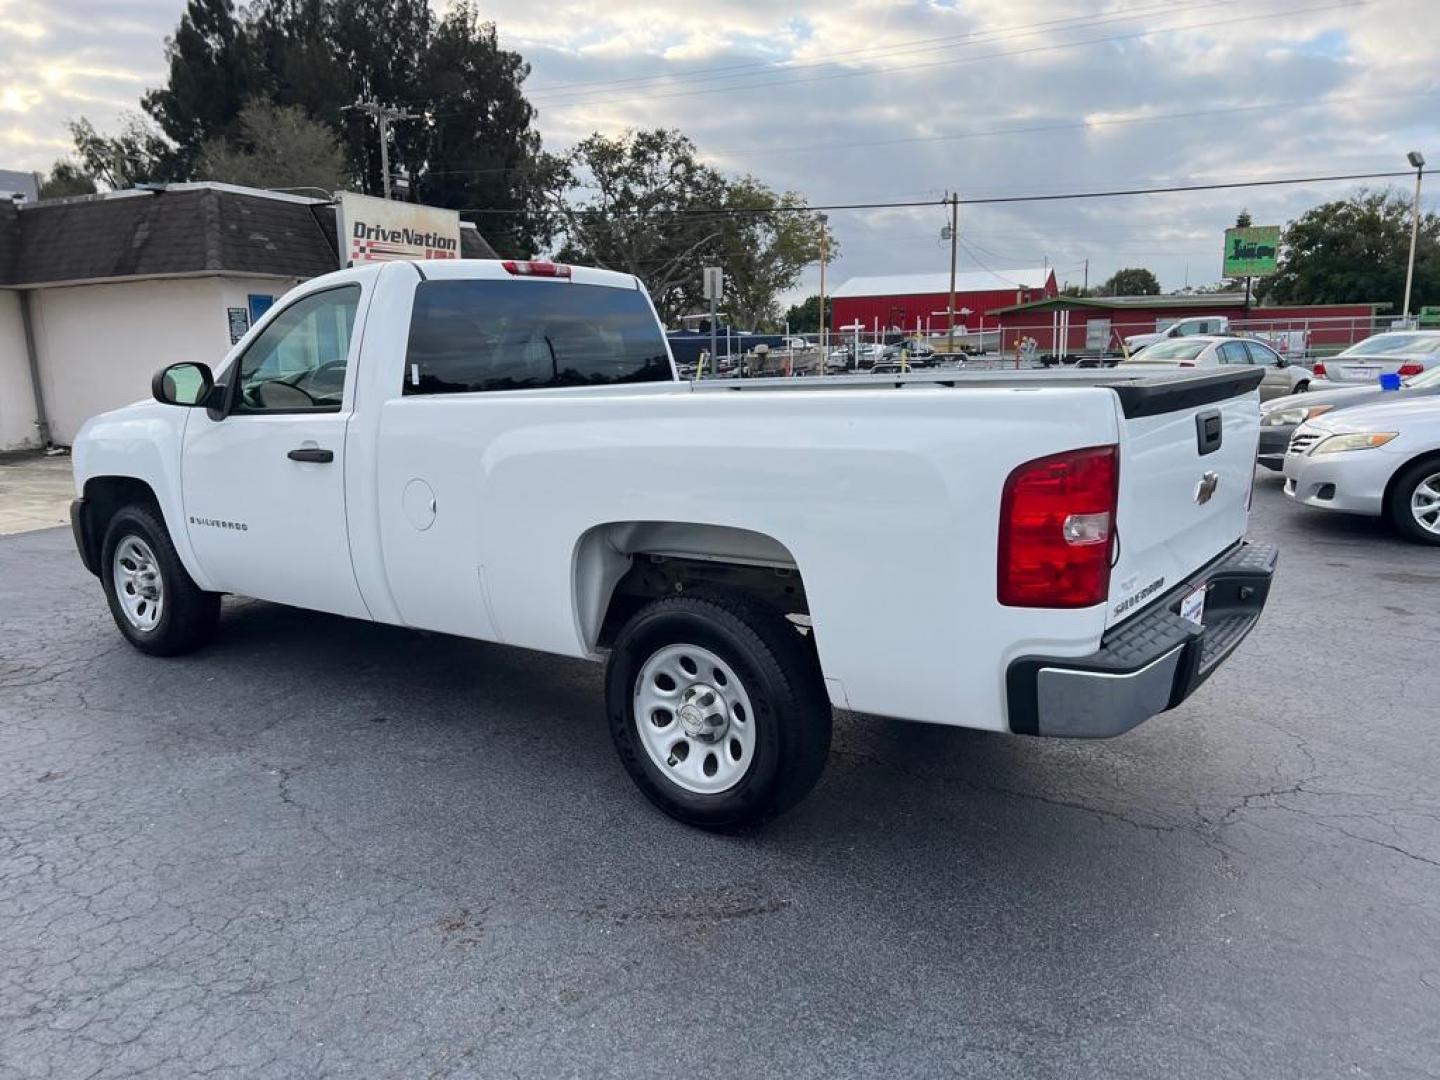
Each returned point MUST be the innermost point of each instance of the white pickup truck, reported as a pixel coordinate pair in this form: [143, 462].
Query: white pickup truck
[501, 451]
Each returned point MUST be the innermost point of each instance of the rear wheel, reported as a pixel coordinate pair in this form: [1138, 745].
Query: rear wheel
[1414, 504]
[1302, 386]
[153, 599]
[717, 709]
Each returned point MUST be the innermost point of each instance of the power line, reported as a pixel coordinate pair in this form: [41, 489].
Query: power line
[1276, 106]
[721, 211]
[987, 56]
[824, 59]
[876, 52]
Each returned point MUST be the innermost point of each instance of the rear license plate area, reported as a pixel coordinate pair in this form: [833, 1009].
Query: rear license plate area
[1192, 606]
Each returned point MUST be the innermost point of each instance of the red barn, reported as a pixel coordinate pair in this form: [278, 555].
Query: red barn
[908, 301]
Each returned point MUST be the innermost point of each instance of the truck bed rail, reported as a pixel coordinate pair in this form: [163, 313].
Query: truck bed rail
[1140, 393]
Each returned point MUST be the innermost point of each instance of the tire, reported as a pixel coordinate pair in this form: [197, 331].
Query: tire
[153, 599]
[1302, 386]
[767, 757]
[1408, 494]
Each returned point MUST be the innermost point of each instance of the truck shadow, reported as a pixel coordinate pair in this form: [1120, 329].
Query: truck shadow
[513, 745]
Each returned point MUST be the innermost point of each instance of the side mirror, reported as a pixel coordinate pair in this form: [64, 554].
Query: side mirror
[183, 384]
[1282, 362]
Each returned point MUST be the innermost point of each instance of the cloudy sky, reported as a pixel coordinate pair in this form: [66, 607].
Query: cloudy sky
[874, 101]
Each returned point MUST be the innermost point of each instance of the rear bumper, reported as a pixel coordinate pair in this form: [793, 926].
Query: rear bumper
[1148, 664]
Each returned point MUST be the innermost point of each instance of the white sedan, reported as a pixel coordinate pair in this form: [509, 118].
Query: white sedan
[1213, 350]
[1381, 459]
[1398, 352]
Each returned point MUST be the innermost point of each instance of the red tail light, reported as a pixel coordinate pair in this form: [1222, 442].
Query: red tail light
[1057, 517]
[1406, 370]
[536, 268]
[1318, 370]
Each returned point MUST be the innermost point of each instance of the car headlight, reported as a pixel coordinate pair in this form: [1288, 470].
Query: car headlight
[1357, 440]
[1293, 417]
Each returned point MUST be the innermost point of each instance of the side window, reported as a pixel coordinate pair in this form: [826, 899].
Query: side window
[525, 335]
[1233, 352]
[298, 363]
[1262, 354]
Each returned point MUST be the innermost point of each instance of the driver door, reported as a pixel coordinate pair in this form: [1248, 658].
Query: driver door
[264, 486]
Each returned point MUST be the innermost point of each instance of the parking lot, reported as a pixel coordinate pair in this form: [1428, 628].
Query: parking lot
[322, 848]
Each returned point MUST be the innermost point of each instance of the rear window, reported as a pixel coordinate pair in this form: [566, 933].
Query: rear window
[1174, 350]
[528, 335]
[1382, 344]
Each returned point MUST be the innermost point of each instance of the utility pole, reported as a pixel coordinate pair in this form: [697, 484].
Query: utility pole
[1417, 161]
[954, 251]
[823, 220]
[385, 115]
[1086, 287]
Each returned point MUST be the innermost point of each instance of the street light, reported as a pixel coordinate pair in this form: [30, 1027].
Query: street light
[1417, 162]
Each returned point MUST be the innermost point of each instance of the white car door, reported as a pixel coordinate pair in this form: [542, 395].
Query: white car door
[264, 485]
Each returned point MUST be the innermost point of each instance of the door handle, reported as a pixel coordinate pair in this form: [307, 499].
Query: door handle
[311, 453]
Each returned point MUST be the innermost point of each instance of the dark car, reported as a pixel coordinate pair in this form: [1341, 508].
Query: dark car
[1279, 418]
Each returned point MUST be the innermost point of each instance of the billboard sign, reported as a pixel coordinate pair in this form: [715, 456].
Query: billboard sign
[379, 230]
[1252, 252]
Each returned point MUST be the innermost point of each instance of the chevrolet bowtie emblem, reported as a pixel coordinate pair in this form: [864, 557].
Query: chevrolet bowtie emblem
[1205, 490]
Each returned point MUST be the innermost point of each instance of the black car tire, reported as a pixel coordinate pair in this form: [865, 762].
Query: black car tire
[780, 675]
[1402, 491]
[188, 614]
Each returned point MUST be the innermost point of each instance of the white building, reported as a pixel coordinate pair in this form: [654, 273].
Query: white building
[98, 292]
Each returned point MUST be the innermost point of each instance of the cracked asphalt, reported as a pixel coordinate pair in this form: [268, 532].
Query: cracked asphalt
[323, 848]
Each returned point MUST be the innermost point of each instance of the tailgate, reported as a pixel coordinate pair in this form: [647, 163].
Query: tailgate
[1187, 460]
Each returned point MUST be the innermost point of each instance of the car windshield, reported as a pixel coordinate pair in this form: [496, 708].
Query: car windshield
[1174, 350]
[1391, 344]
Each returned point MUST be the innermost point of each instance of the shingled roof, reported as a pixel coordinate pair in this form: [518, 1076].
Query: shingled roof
[179, 229]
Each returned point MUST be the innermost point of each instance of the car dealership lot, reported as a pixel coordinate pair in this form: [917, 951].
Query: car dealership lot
[322, 847]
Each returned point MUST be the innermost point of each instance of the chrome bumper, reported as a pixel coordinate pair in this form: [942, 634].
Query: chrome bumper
[1148, 664]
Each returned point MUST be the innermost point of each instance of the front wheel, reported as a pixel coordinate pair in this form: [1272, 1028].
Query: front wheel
[717, 709]
[153, 599]
[1302, 386]
[1414, 503]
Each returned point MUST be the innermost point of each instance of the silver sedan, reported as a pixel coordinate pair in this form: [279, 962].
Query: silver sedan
[1213, 350]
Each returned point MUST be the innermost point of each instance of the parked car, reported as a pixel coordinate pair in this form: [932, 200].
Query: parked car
[504, 453]
[1281, 416]
[1281, 376]
[1376, 459]
[1292, 344]
[1401, 352]
[920, 353]
[1208, 324]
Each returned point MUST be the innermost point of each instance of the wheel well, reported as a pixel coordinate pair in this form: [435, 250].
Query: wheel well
[104, 497]
[621, 567]
[1432, 455]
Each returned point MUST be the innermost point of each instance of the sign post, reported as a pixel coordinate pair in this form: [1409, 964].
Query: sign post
[714, 287]
[378, 230]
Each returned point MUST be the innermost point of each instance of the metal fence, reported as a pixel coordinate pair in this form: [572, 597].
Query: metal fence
[851, 350]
